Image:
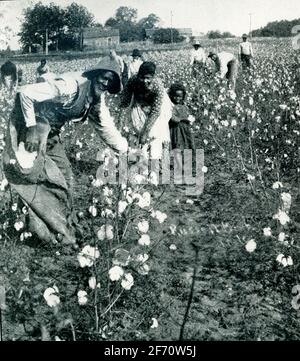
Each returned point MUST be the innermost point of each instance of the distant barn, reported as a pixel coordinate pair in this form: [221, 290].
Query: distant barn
[94, 38]
[186, 33]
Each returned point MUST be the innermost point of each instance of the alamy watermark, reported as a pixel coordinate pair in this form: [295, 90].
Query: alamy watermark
[176, 167]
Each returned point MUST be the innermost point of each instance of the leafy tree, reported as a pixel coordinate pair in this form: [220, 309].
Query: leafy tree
[167, 35]
[61, 25]
[281, 28]
[126, 14]
[39, 19]
[111, 22]
[77, 17]
[125, 20]
[216, 34]
[149, 22]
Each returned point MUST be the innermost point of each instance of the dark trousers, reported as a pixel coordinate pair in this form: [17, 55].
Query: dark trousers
[246, 61]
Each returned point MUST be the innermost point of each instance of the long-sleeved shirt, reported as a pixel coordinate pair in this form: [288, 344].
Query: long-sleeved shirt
[198, 56]
[224, 59]
[62, 89]
[134, 67]
[151, 98]
[245, 48]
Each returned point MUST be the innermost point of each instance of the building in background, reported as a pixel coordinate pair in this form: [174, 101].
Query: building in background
[95, 38]
[185, 33]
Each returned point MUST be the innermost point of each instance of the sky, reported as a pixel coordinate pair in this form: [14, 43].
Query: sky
[200, 15]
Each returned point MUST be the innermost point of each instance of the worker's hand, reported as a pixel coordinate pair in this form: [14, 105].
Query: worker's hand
[32, 140]
[143, 139]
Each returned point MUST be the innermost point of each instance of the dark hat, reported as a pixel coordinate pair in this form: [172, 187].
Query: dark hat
[106, 64]
[244, 36]
[211, 54]
[135, 53]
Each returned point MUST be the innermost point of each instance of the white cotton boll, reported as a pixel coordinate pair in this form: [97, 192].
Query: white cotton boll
[127, 281]
[287, 201]
[115, 273]
[51, 297]
[277, 185]
[282, 217]
[191, 119]
[82, 297]
[92, 282]
[19, 225]
[154, 323]
[122, 206]
[144, 240]
[142, 258]
[160, 216]
[105, 232]
[281, 237]
[144, 200]
[267, 232]
[88, 256]
[93, 211]
[14, 207]
[4, 184]
[143, 226]
[250, 246]
[143, 269]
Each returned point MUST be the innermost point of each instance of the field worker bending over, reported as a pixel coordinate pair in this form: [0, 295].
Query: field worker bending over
[149, 111]
[226, 66]
[35, 162]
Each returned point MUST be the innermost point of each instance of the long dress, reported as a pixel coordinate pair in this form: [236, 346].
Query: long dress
[153, 107]
[180, 129]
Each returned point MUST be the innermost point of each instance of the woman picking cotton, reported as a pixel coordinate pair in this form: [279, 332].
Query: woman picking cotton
[149, 111]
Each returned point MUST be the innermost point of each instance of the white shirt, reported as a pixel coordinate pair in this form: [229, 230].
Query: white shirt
[61, 89]
[134, 67]
[198, 55]
[246, 48]
[224, 58]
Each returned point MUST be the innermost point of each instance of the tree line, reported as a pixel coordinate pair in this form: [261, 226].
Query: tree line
[61, 28]
[278, 29]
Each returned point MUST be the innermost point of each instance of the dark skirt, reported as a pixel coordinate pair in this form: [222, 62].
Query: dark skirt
[181, 135]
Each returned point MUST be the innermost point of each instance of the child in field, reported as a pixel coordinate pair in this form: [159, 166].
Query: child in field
[180, 127]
